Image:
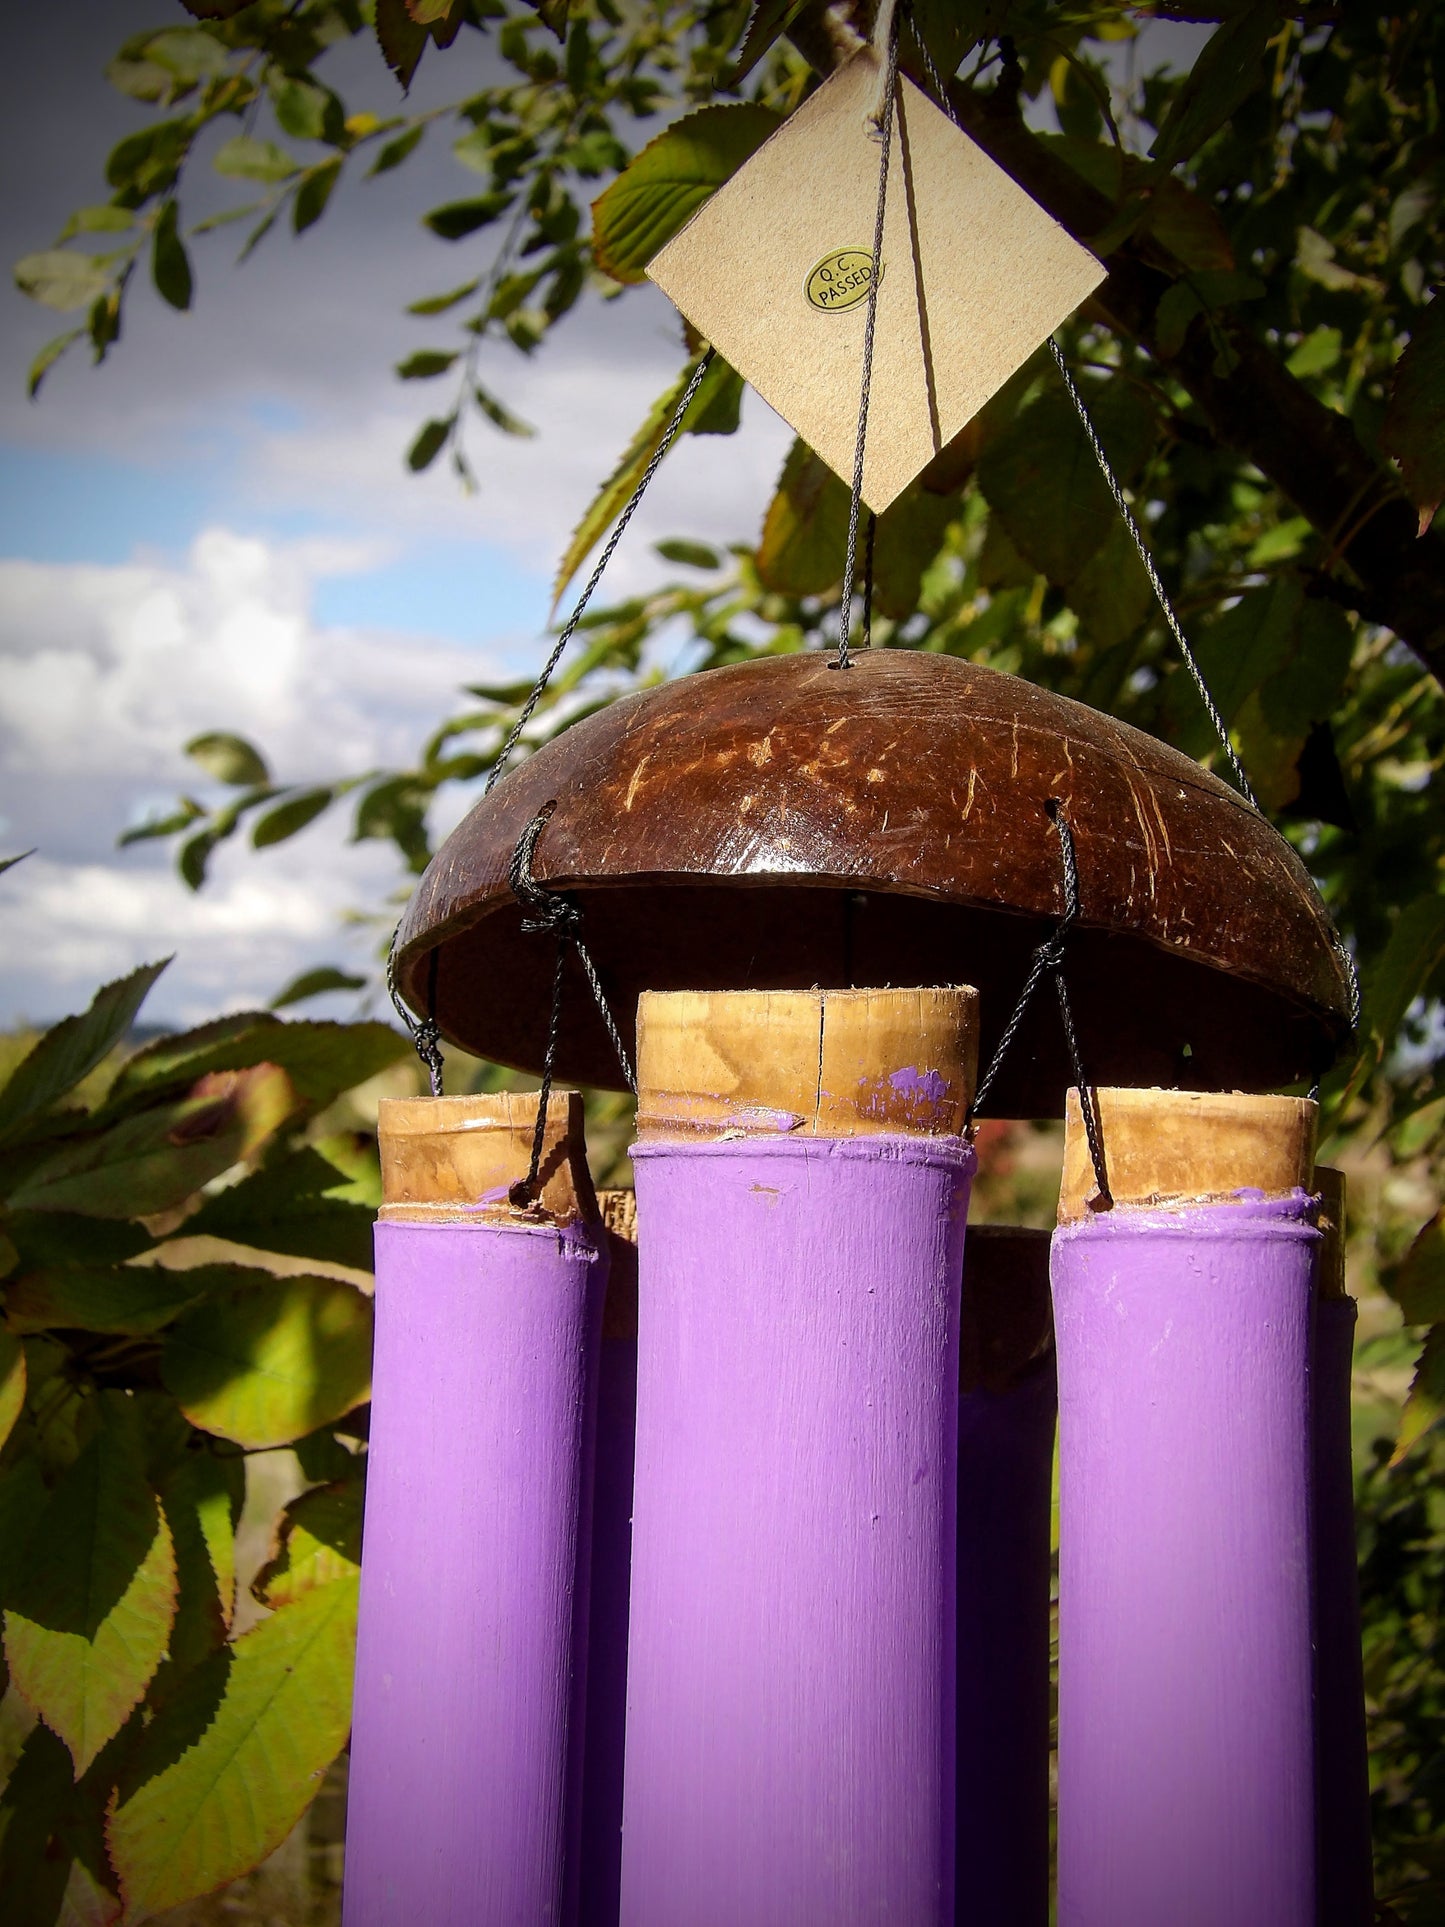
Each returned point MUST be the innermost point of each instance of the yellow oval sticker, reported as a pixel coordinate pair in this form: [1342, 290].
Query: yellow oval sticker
[840, 280]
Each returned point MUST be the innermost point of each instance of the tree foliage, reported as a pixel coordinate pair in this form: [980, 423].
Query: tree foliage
[1264, 366]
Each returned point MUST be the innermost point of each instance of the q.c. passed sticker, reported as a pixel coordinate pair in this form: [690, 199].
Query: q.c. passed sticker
[840, 280]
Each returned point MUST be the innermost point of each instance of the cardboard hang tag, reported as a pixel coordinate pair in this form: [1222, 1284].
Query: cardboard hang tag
[774, 271]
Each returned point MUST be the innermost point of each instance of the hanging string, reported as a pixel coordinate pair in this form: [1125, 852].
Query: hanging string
[669, 436]
[551, 910]
[425, 1032]
[1048, 958]
[888, 22]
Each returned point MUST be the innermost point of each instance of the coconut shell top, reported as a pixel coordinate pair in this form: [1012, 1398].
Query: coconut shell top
[779, 824]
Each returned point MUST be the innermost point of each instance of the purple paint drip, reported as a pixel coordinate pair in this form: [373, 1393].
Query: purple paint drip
[1186, 1745]
[1005, 1474]
[472, 1629]
[1346, 1875]
[791, 1689]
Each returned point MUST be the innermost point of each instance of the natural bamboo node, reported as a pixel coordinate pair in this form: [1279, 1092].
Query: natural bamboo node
[1329, 1188]
[1186, 1147]
[454, 1159]
[812, 1063]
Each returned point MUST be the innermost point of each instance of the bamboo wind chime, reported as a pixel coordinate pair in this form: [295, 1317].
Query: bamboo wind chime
[707, 1569]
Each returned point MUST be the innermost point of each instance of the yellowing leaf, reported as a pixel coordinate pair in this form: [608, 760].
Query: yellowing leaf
[12, 1382]
[319, 1540]
[72, 1048]
[91, 1610]
[225, 1772]
[664, 186]
[272, 1362]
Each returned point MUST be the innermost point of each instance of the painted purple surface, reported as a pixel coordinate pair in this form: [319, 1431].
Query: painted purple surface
[607, 1633]
[1005, 1475]
[791, 1690]
[472, 1619]
[1186, 1743]
[1346, 1879]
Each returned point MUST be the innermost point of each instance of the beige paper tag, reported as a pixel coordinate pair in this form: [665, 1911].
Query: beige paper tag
[774, 271]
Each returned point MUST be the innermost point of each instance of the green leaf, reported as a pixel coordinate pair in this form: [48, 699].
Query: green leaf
[321, 1059]
[230, 759]
[459, 218]
[767, 23]
[1418, 1285]
[1410, 959]
[1111, 594]
[315, 983]
[170, 265]
[129, 1300]
[181, 818]
[270, 1363]
[106, 218]
[425, 363]
[72, 1049]
[303, 109]
[286, 1207]
[1317, 353]
[1226, 73]
[12, 1380]
[157, 1160]
[319, 1541]
[430, 441]
[1042, 481]
[224, 1773]
[91, 1610]
[61, 279]
[805, 531]
[289, 817]
[396, 151]
[313, 194]
[47, 358]
[1426, 1401]
[1414, 428]
[202, 1499]
[9, 862]
[689, 555]
[439, 303]
[660, 191]
[247, 159]
[499, 415]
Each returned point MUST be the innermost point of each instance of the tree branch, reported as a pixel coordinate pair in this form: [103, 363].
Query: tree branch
[1313, 456]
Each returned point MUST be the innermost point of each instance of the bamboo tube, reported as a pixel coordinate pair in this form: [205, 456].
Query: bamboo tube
[801, 1193]
[1006, 1414]
[1182, 1322]
[1346, 1872]
[466, 1755]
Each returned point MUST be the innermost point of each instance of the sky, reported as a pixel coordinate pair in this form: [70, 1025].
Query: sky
[216, 530]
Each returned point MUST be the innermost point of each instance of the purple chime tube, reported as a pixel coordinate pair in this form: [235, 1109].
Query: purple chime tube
[1006, 1413]
[471, 1651]
[1182, 1320]
[1346, 1873]
[802, 1188]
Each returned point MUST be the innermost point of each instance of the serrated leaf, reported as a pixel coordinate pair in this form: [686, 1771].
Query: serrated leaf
[202, 1500]
[1414, 427]
[170, 264]
[1418, 1285]
[247, 159]
[71, 1050]
[658, 193]
[290, 817]
[1226, 73]
[61, 279]
[318, 1541]
[129, 1300]
[315, 983]
[224, 1773]
[12, 1381]
[155, 1161]
[270, 1363]
[322, 1059]
[1426, 1401]
[91, 1610]
[285, 1207]
[230, 759]
[430, 441]
[767, 23]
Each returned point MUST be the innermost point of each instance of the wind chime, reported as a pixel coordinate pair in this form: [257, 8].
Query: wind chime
[707, 1567]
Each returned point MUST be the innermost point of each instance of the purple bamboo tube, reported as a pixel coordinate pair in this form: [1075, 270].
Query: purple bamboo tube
[611, 1572]
[471, 1643]
[1186, 1741]
[791, 1689]
[1346, 1872]
[1007, 1409]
